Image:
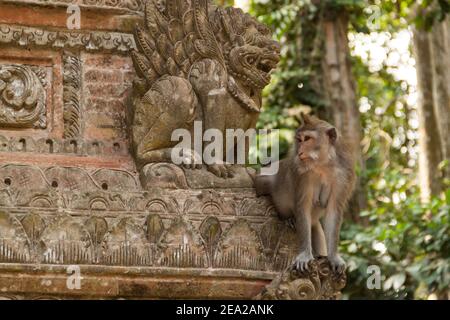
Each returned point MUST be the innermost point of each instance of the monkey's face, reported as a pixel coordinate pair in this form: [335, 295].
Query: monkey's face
[315, 146]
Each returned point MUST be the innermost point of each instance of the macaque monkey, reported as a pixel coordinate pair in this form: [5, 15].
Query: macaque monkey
[316, 180]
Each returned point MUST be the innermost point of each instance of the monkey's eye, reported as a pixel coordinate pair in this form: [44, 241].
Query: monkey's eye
[306, 138]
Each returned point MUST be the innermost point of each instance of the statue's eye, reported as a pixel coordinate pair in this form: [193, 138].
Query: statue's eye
[250, 60]
[307, 138]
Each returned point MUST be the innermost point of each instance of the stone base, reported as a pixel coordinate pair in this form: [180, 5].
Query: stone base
[130, 242]
[133, 243]
[319, 283]
[22, 281]
[167, 175]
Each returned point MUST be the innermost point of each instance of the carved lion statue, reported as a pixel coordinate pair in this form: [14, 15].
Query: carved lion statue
[196, 62]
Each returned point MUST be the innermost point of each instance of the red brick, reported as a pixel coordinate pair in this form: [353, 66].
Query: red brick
[104, 76]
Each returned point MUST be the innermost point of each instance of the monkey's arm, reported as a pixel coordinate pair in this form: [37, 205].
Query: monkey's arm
[303, 211]
[263, 184]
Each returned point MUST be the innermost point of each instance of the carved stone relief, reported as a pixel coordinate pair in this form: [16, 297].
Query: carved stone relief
[91, 41]
[71, 94]
[69, 215]
[22, 97]
[318, 284]
[76, 146]
[132, 5]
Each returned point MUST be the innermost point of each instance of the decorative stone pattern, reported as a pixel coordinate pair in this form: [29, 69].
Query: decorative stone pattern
[69, 215]
[81, 147]
[320, 283]
[132, 5]
[71, 95]
[70, 39]
[22, 97]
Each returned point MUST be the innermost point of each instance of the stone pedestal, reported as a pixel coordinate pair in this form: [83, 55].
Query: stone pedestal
[134, 243]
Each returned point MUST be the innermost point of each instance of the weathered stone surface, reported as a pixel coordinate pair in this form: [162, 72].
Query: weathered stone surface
[132, 5]
[49, 282]
[80, 217]
[167, 175]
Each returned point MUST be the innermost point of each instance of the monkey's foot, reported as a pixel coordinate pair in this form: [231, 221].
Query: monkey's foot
[221, 170]
[337, 264]
[303, 261]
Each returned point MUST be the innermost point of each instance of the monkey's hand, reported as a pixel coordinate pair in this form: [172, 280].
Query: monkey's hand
[337, 263]
[302, 261]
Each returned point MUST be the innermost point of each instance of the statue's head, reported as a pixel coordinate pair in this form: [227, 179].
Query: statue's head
[249, 50]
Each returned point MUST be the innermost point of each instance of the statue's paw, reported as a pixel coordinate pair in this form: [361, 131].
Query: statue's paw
[206, 75]
[221, 170]
[191, 160]
[191, 166]
[302, 261]
[337, 264]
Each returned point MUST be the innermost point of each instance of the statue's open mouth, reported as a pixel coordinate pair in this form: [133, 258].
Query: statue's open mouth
[268, 64]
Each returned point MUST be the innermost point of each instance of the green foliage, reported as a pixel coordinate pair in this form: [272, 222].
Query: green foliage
[408, 240]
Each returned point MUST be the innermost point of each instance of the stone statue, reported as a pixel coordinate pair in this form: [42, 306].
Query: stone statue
[196, 62]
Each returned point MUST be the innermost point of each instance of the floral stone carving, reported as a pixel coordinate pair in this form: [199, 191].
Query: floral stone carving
[319, 283]
[22, 97]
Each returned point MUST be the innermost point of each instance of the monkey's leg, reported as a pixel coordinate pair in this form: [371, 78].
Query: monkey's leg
[318, 240]
[332, 226]
[303, 226]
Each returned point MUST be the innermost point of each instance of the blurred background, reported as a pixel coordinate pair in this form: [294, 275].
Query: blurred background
[380, 71]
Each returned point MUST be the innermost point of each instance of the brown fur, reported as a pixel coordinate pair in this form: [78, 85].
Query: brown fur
[316, 179]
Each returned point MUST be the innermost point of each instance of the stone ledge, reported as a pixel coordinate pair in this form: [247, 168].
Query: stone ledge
[50, 281]
[125, 6]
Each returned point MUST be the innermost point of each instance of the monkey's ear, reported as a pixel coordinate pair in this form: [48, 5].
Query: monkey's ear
[298, 118]
[305, 118]
[332, 134]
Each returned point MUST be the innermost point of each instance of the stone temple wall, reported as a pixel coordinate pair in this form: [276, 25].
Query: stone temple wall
[71, 194]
